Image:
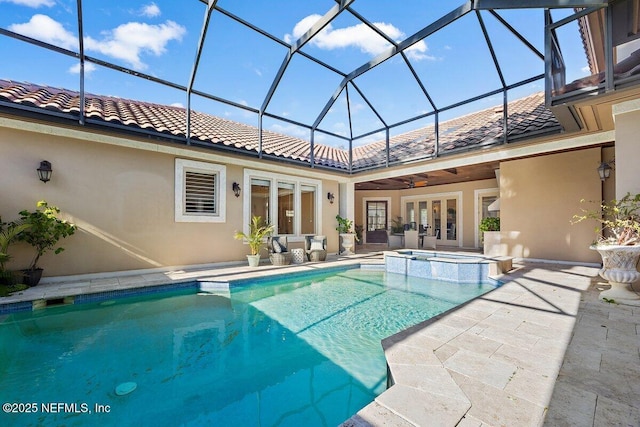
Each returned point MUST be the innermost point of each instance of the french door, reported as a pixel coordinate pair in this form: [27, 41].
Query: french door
[377, 221]
[436, 216]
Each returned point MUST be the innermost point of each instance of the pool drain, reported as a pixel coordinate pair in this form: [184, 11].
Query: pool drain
[125, 388]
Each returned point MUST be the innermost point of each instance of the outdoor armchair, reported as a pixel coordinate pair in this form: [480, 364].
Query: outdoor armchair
[316, 247]
[278, 250]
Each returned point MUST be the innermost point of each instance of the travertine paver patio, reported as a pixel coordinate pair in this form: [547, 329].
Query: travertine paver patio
[495, 361]
[541, 349]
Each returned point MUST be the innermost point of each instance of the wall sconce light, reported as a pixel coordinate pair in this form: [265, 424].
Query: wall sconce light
[44, 171]
[330, 197]
[236, 189]
[604, 170]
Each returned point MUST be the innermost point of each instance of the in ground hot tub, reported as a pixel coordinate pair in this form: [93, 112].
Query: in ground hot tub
[446, 266]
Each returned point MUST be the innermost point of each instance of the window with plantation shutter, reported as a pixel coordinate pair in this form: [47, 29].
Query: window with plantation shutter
[200, 191]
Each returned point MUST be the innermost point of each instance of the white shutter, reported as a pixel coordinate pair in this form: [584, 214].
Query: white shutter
[200, 193]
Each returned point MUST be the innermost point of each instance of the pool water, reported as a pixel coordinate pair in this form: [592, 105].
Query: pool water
[287, 352]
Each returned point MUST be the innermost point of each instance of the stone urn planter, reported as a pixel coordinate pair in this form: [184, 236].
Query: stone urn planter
[618, 242]
[619, 268]
[347, 241]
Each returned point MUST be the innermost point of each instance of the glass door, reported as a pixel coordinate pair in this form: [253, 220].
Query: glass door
[435, 217]
[452, 219]
[376, 222]
[436, 220]
[484, 201]
[423, 218]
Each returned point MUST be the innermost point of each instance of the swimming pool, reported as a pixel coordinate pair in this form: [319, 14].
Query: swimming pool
[303, 350]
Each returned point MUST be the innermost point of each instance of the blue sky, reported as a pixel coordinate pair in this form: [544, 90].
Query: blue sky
[160, 37]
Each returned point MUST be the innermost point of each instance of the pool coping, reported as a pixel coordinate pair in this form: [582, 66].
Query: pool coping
[94, 288]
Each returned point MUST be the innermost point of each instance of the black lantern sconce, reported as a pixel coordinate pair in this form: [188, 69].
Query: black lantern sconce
[604, 170]
[44, 171]
[236, 189]
[330, 197]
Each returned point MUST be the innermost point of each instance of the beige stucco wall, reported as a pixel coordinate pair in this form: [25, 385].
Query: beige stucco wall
[538, 198]
[467, 216]
[627, 150]
[122, 199]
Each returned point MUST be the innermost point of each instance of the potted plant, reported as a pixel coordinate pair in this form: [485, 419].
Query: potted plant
[397, 226]
[255, 239]
[396, 232]
[359, 230]
[44, 231]
[490, 234]
[347, 236]
[618, 244]
[9, 233]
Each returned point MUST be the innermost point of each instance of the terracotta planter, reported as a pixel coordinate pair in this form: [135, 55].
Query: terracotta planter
[619, 268]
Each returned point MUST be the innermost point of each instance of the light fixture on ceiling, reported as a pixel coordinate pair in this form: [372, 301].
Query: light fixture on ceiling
[604, 170]
[411, 183]
[236, 189]
[330, 197]
[44, 171]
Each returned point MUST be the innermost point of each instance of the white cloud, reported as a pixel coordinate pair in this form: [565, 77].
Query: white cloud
[356, 107]
[369, 139]
[291, 130]
[88, 68]
[31, 3]
[43, 28]
[150, 10]
[359, 36]
[127, 42]
[177, 104]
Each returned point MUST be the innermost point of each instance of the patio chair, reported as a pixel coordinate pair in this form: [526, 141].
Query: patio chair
[411, 239]
[316, 247]
[278, 250]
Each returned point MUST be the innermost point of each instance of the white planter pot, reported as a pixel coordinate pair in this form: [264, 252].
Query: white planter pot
[346, 242]
[254, 260]
[619, 268]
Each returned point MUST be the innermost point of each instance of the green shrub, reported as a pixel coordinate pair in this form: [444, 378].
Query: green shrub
[490, 224]
[44, 231]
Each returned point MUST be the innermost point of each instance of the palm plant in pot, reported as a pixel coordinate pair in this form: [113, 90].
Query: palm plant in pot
[255, 238]
[44, 231]
[618, 244]
[9, 233]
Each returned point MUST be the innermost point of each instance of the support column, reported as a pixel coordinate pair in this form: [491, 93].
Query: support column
[626, 116]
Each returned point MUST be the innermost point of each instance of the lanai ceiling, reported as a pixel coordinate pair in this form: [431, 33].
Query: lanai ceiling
[342, 73]
[438, 177]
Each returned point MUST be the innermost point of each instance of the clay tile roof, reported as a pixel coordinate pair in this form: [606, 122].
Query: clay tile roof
[526, 116]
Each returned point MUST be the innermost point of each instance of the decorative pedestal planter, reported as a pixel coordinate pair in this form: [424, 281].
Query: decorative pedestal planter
[619, 268]
[346, 242]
